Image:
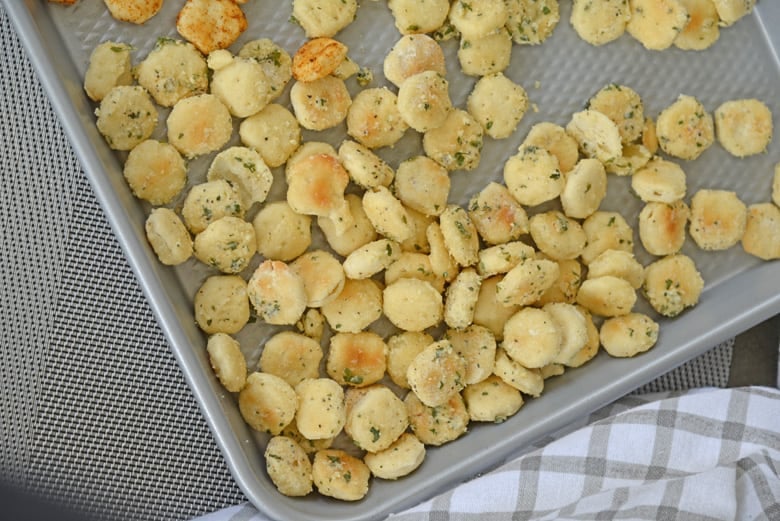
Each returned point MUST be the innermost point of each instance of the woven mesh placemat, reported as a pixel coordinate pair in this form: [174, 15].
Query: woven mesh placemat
[94, 411]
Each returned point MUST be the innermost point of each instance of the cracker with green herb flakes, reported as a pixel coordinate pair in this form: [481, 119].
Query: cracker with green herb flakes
[498, 104]
[527, 381]
[211, 24]
[423, 185]
[531, 22]
[606, 231]
[267, 403]
[556, 141]
[527, 282]
[628, 335]
[762, 231]
[413, 265]
[662, 227]
[600, 22]
[412, 304]
[477, 18]
[321, 412]
[245, 169]
[155, 172]
[341, 476]
[288, 466]
[501, 258]
[492, 400]
[497, 215]
[277, 293]
[702, 29]
[126, 117]
[620, 264]
[413, 54]
[357, 359]
[357, 306]
[460, 235]
[672, 284]
[743, 126]
[387, 214]
[729, 11]
[227, 244]
[418, 16]
[566, 285]
[365, 168]
[399, 459]
[607, 296]
[274, 133]
[556, 235]
[242, 86]
[584, 188]
[317, 58]
[371, 258]
[461, 299]
[418, 240]
[488, 54]
[227, 361]
[377, 419]
[684, 128]
[275, 61]
[437, 425]
[282, 234]
[209, 201]
[656, 23]
[199, 125]
[174, 69]
[168, 236]
[596, 135]
[109, 65]
[437, 373]
[660, 181]
[424, 100]
[221, 305]
[323, 276]
[622, 105]
[374, 120]
[477, 345]
[292, 357]
[360, 232]
[402, 348]
[323, 17]
[533, 176]
[532, 337]
[320, 104]
[718, 219]
[457, 144]
[315, 186]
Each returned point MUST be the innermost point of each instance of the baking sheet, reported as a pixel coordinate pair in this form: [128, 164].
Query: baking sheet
[560, 76]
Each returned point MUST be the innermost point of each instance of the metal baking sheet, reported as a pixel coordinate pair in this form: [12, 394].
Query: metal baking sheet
[560, 76]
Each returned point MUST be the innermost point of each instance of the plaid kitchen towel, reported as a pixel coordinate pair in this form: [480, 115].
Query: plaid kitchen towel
[710, 454]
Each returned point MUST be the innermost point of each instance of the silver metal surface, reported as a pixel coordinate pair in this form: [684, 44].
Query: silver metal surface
[560, 76]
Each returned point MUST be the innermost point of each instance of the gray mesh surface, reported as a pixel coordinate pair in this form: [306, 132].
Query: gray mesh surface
[94, 412]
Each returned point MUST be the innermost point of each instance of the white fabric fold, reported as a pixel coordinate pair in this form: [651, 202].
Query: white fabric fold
[703, 455]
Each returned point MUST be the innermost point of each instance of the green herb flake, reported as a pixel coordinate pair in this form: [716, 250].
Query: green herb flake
[351, 377]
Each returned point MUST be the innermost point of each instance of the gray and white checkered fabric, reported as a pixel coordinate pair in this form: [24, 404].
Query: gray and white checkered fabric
[705, 455]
